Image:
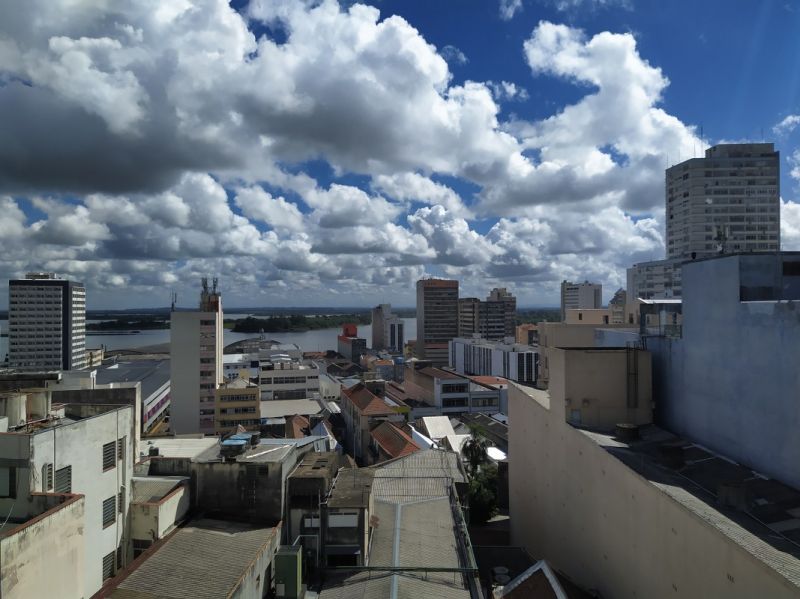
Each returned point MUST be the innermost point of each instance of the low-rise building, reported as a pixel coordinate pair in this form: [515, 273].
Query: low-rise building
[389, 441]
[237, 403]
[72, 448]
[527, 334]
[158, 505]
[42, 547]
[453, 393]
[153, 376]
[476, 356]
[350, 345]
[364, 406]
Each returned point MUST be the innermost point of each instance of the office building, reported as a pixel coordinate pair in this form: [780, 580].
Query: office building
[238, 404]
[469, 316]
[437, 318]
[196, 363]
[350, 345]
[481, 357]
[727, 202]
[584, 295]
[387, 329]
[46, 323]
[500, 295]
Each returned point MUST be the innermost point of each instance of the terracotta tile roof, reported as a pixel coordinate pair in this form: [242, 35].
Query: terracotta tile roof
[392, 440]
[366, 401]
[296, 426]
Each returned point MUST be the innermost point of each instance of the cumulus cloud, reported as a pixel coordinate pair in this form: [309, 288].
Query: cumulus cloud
[153, 143]
[787, 125]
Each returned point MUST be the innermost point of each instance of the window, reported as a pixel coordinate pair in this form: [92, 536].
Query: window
[109, 455]
[121, 449]
[63, 480]
[108, 565]
[109, 511]
[8, 481]
[47, 477]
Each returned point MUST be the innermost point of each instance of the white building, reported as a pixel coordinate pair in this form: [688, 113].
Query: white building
[79, 448]
[279, 375]
[387, 329]
[480, 357]
[584, 295]
[46, 323]
[196, 363]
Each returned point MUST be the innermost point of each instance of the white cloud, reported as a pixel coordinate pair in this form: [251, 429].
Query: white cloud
[794, 163]
[790, 226]
[276, 212]
[787, 125]
[415, 187]
[508, 8]
[454, 55]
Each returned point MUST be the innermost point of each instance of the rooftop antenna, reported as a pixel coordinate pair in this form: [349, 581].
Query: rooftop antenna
[214, 285]
[174, 299]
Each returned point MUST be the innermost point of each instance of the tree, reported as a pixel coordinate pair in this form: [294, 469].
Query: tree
[483, 495]
[475, 450]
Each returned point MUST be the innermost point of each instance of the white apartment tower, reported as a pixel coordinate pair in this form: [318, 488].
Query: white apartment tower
[580, 296]
[387, 329]
[46, 323]
[196, 363]
[727, 202]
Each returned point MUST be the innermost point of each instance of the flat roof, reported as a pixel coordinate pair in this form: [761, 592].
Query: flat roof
[146, 489]
[177, 447]
[151, 374]
[205, 560]
[277, 408]
[769, 530]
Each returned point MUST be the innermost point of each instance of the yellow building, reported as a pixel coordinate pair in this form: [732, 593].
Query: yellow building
[236, 403]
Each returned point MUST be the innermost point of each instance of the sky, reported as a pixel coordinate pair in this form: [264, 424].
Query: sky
[331, 154]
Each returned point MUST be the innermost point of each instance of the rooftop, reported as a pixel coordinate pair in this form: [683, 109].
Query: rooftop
[766, 521]
[277, 408]
[178, 447]
[150, 489]
[367, 402]
[153, 375]
[392, 440]
[437, 427]
[206, 559]
[495, 430]
[438, 373]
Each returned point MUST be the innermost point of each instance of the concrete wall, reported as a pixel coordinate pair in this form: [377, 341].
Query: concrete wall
[593, 384]
[732, 382]
[80, 445]
[609, 529]
[40, 558]
[151, 521]
[559, 334]
[588, 316]
[260, 573]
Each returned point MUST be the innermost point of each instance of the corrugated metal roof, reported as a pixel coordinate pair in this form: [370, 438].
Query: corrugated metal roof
[151, 374]
[438, 427]
[205, 560]
[171, 447]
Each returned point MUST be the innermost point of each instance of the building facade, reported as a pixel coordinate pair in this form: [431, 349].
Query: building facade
[584, 295]
[486, 358]
[196, 363]
[387, 329]
[238, 404]
[437, 318]
[46, 323]
[725, 202]
[502, 296]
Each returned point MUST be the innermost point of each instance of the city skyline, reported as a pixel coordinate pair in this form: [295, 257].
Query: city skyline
[325, 154]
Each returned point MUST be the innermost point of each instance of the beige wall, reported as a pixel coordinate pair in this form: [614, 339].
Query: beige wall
[581, 316]
[560, 334]
[592, 384]
[44, 557]
[609, 529]
[151, 521]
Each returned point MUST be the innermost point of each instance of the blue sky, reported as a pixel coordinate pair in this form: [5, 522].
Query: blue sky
[321, 153]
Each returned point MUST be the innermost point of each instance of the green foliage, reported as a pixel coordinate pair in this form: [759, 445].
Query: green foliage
[296, 322]
[475, 450]
[483, 494]
[539, 315]
[127, 324]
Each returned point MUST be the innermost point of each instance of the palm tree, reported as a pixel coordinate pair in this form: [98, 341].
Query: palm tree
[475, 450]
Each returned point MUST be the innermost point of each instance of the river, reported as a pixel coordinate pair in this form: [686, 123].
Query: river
[318, 340]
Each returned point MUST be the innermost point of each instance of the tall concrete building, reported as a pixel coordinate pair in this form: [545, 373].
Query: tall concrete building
[47, 323]
[501, 296]
[580, 296]
[387, 329]
[437, 318]
[196, 363]
[727, 202]
[469, 312]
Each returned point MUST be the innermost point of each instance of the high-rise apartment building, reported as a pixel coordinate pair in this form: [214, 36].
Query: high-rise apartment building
[501, 319]
[387, 329]
[437, 318]
[196, 363]
[727, 202]
[468, 316]
[580, 296]
[46, 323]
